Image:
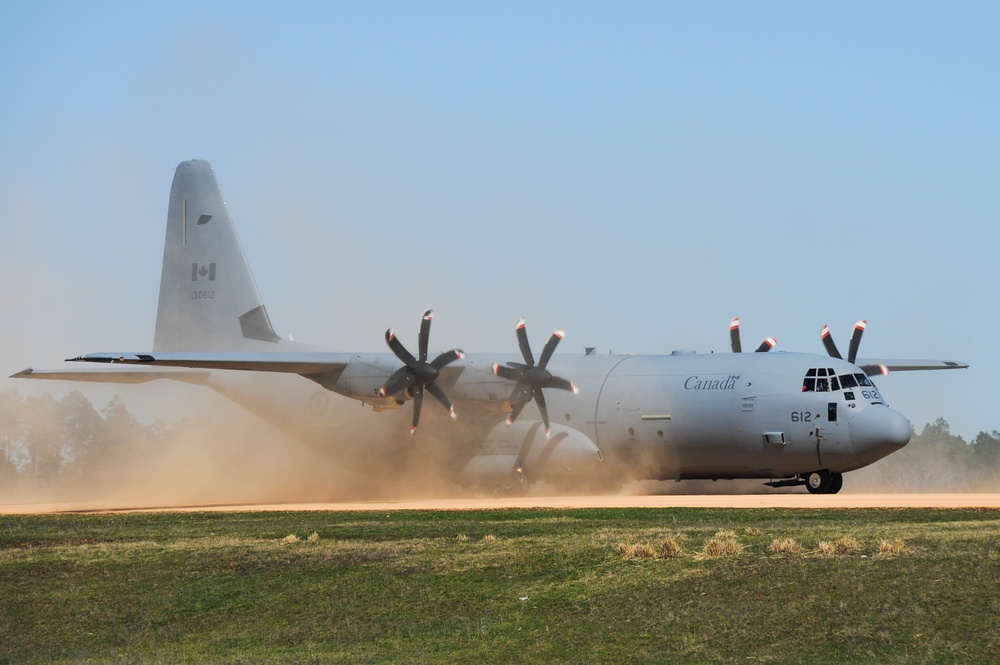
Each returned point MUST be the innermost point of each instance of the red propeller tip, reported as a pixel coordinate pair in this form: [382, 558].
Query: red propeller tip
[520, 323]
[771, 342]
[496, 368]
[826, 332]
[861, 325]
[559, 333]
[576, 391]
[883, 369]
[451, 412]
[413, 430]
[509, 421]
[734, 324]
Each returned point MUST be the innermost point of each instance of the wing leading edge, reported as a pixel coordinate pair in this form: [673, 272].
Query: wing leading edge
[288, 363]
[875, 366]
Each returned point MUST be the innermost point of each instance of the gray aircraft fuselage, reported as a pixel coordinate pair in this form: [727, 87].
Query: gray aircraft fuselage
[690, 415]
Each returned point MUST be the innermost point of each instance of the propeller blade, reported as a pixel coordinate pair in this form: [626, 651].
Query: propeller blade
[540, 400]
[398, 348]
[563, 384]
[734, 335]
[522, 341]
[509, 373]
[767, 345]
[433, 389]
[859, 330]
[400, 379]
[425, 334]
[447, 357]
[518, 404]
[550, 347]
[418, 401]
[831, 348]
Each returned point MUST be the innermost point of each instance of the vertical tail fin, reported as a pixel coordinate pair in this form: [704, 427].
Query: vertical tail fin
[208, 298]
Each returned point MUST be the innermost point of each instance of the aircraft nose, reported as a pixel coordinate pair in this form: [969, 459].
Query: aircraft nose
[878, 431]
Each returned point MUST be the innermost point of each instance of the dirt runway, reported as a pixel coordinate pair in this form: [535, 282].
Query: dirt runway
[786, 500]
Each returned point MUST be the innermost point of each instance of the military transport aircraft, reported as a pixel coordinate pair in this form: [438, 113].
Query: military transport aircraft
[570, 420]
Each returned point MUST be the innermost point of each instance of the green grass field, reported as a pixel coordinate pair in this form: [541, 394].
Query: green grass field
[574, 586]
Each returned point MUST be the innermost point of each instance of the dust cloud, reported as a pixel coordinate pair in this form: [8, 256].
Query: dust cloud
[64, 452]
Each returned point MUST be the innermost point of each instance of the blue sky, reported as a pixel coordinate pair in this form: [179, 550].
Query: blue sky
[636, 173]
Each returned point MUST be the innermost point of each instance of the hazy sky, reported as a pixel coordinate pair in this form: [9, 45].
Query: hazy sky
[636, 173]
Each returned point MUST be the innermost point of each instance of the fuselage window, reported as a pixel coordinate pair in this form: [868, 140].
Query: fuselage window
[809, 385]
[834, 383]
[848, 381]
[822, 385]
[863, 380]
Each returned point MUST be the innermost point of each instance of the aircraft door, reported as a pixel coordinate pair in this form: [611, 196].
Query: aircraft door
[833, 448]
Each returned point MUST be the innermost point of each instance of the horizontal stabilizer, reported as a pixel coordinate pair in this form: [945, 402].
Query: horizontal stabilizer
[123, 375]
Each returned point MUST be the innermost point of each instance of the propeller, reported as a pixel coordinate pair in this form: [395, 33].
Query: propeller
[734, 339]
[532, 378]
[416, 373]
[852, 351]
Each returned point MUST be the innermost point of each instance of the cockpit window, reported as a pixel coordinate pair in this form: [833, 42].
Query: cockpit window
[823, 379]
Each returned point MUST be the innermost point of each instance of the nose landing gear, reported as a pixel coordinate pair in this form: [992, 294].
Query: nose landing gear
[823, 482]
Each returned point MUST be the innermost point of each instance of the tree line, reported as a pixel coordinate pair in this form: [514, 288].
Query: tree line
[44, 441]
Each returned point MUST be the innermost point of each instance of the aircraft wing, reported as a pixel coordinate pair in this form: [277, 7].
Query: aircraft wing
[875, 366]
[289, 363]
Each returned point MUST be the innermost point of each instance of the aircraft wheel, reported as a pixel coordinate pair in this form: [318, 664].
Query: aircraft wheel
[836, 483]
[819, 482]
[516, 487]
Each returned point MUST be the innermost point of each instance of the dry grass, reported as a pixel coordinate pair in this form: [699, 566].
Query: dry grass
[489, 539]
[785, 546]
[725, 534]
[751, 531]
[843, 545]
[290, 538]
[719, 547]
[671, 549]
[893, 547]
[462, 538]
[313, 537]
[846, 545]
[636, 551]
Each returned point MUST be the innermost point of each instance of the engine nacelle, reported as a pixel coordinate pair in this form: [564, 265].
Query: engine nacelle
[512, 453]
